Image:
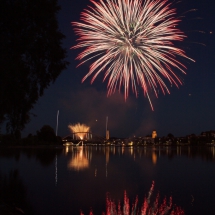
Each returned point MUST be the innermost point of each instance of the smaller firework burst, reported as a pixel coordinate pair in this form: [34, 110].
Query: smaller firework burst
[80, 130]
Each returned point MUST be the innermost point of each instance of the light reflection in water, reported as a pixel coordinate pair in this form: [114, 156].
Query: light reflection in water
[107, 155]
[82, 156]
[79, 160]
[56, 170]
[213, 151]
[148, 206]
[131, 150]
[154, 158]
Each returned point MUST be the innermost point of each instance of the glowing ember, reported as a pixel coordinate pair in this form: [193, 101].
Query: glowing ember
[80, 130]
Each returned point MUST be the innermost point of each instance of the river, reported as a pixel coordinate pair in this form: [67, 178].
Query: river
[73, 180]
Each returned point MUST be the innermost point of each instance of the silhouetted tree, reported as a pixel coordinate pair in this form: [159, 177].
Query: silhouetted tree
[170, 135]
[31, 57]
[47, 134]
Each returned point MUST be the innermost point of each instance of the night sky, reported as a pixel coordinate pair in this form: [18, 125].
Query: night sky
[189, 109]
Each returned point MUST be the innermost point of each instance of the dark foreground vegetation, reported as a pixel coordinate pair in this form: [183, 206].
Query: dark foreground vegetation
[45, 136]
[31, 58]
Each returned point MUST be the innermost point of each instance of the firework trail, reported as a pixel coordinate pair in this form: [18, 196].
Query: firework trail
[80, 130]
[132, 41]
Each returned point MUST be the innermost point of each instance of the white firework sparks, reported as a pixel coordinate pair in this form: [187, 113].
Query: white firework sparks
[80, 130]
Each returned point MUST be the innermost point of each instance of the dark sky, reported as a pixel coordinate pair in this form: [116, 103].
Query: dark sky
[189, 109]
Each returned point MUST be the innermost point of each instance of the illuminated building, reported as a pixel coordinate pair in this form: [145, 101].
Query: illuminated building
[154, 134]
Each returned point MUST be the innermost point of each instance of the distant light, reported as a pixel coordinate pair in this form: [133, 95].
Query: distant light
[211, 32]
[189, 94]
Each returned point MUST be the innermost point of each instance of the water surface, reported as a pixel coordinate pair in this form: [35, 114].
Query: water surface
[67, 180]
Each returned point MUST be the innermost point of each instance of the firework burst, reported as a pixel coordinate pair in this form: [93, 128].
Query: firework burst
[132, 41]
[80, 130]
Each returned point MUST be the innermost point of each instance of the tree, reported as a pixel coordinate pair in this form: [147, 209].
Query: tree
[31, 57]
[47, 134]
[171, 136]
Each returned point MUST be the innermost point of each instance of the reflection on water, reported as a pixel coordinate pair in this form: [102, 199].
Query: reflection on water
[148, 207]
[82, 155]
[154, 158]
[63, 180]
[13, 196]
[79, 160]
[47, 155]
